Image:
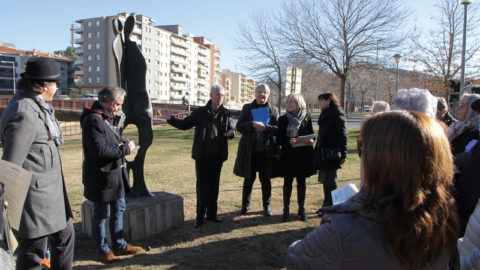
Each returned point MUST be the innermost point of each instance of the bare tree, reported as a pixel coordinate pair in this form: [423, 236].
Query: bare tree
[337, 33]
[440, 51]
[360, 82]
[262, 56]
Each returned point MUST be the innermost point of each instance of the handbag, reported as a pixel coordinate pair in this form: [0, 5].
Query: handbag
[331, 154]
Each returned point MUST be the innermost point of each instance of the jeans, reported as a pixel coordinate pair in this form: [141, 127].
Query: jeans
[114, 212]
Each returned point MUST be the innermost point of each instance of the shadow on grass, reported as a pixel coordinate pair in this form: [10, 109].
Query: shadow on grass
[262, 251]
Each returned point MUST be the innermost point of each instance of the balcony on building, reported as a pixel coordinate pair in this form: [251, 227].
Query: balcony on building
[203, 61]
[175, 96]
[179, 62]
[79, 51]
[203, 52]
[202, 98]
[179, 79]
[78, 62]
[178, 52]
[202, 82]
[79, 41]
[79, 30]
[179, 43]
[179, 70]
[137, 30]
[78, 73]
[178, 88]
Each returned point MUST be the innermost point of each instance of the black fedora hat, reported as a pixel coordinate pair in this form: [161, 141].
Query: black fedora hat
[40, 68]
[476, 105]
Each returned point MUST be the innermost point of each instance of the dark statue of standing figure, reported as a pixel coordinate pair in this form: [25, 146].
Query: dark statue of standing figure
[137, 108]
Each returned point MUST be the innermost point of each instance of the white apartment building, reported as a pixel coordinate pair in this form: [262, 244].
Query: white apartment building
[177, 67]
[293, 81]
[242, 88]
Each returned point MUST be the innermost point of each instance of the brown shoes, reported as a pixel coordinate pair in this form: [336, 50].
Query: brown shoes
[108, 257]
[128, 250]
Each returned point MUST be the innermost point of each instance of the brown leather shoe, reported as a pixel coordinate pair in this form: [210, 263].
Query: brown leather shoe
[108, 257]
[128, 250]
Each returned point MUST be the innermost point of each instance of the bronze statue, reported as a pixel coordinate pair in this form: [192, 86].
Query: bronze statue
[137, 108]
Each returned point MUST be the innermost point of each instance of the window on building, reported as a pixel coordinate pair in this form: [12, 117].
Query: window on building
[98, 34]
[97, 57]
[89, 80]
[97, 45]
[89, 58]
[89, 68]
[97, 23]
[98, 68]
[89, 24]
[89, 46]
[98, 79]
[89, 35]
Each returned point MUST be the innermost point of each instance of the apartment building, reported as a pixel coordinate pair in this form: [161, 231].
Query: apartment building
[215, 76]
[178, 68]
[12, 64]
[242, 89]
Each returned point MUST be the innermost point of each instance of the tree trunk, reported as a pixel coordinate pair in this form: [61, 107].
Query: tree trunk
[343, 80]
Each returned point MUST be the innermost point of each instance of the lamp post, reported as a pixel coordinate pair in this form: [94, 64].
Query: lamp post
[397, 59]
[465, 3]
[13, 70]
[376, 75]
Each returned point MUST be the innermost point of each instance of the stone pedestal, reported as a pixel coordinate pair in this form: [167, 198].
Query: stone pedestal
[143, 217]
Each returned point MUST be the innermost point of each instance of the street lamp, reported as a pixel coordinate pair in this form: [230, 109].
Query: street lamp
[13, 69]
[465, 3]
[397, 59]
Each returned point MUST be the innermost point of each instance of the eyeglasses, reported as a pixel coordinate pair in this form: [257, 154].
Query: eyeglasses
[359, 147]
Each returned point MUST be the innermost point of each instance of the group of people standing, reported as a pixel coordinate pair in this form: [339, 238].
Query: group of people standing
[271, 145]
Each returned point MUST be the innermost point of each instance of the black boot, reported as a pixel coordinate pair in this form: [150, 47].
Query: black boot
[301, 190]
[327, 192]
[287, 192]
[246, 196]
[266, 198]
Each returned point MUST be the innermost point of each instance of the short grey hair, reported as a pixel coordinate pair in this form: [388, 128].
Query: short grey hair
[471, 114]
[264, 86]
[111, 94]
[380, 106]
[215, 87]
[299, 100]
[420, 100]
[442, 105]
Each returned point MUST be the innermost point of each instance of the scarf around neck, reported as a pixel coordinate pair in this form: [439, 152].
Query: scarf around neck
[51, 121]
[294, 122]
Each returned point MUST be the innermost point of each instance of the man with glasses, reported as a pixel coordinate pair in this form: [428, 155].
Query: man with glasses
[31, 135]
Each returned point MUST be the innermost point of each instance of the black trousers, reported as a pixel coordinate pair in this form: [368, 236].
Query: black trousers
[287, 192]
[208, 180]
[259, 164]
[30, 252]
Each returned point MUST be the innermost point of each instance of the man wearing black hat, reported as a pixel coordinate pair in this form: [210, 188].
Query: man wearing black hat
[31, 134]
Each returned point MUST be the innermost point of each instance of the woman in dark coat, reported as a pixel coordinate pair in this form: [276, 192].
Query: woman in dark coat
[297, 154]
[331, 147]
[255, 147]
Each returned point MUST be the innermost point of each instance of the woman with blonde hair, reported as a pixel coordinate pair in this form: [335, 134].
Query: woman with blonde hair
[296, 153]
[404, 215]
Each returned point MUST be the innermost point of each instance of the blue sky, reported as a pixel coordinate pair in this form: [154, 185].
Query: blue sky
[44, 25]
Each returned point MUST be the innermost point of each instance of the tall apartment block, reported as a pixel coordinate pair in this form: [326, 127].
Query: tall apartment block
[242, 88]
[13, 61]
[178, 68]
[293, 81]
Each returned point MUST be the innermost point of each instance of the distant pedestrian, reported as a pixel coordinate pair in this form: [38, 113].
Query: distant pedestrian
[331, 147]
[31, 136]
[105, 176]
[296, 155]
[213, 126]
[257, 147]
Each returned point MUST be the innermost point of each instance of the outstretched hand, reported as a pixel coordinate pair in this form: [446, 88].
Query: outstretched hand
[165, 114]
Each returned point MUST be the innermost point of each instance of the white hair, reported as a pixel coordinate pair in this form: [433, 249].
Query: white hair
[420, 100]
[380, 106]
[264, 86]
[215, 87]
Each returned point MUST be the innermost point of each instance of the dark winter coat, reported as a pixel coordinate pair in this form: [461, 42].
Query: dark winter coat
[104, 174]
[201, 118]
[246, 146]
[332, 132]
[458, 143]
[298, 161]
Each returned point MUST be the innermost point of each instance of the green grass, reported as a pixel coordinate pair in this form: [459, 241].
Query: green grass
[246, 242]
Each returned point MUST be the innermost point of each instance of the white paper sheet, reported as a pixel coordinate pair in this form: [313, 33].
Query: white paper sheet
[344, 193]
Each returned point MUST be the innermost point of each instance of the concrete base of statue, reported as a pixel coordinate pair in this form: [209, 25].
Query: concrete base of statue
[144, 217]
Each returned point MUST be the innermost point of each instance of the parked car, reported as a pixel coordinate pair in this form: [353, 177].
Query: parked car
[367, 108]
[64, 97]
[89, 96]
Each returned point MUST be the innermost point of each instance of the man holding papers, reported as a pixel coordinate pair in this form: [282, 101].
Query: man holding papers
[258, 125]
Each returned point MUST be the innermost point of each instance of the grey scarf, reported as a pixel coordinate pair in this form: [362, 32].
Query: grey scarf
[294, 122]
[50, 120]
